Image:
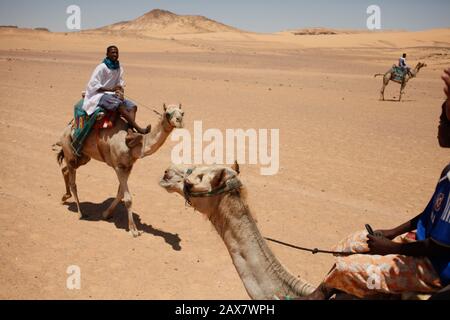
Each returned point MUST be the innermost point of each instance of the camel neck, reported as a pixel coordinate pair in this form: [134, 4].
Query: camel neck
[264, 277]
[156, 138]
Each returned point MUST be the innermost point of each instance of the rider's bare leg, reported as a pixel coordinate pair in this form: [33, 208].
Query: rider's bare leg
[130, 116]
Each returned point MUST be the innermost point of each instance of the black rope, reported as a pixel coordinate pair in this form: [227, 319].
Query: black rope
[139, 103]
[313, 251]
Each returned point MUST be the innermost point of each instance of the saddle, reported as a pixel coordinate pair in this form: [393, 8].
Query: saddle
[398, 74]
[83, 124]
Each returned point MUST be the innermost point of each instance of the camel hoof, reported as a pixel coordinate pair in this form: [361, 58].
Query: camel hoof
[66, 197]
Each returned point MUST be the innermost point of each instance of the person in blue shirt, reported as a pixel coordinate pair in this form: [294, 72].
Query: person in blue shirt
[389, 262]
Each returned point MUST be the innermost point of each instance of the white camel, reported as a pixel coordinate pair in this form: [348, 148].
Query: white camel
[112, 147]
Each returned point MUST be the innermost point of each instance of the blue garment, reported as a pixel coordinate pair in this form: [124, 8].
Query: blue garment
[111, 102]
[113, 65]
[434, 223]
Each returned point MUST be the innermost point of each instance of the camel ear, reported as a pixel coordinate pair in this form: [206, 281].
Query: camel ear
[165, 107]
[180, 106]
[217, 181]
[236, 168]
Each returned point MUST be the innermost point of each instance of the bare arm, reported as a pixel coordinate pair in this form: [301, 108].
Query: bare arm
[116, 88]
[446, 78]
[406, 227]
[425, 248]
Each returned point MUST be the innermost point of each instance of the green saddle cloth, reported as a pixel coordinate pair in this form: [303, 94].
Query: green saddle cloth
[83, 125]
[399, 73]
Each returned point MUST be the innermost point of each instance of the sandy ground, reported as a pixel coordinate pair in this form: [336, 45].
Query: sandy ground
[346, 158]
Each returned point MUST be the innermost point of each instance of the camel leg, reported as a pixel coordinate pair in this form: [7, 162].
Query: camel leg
[402, 87]
[73, 188]
[382, 92]
[120, 194]
[68, 195]
[123, 174]
[385, 83]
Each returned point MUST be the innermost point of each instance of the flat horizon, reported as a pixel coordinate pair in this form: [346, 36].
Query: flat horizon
[251, 16]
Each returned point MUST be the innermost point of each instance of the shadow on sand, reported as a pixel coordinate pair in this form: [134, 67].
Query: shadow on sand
[396, 100]
[93, 211]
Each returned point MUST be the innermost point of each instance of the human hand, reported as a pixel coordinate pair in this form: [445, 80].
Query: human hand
[118, 88]
[120, 94]
[382, 246]
[389, 234]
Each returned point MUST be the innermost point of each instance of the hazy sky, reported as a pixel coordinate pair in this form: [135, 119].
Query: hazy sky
[251, 15]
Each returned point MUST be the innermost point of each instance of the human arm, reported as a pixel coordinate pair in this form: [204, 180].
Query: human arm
[425, 248]
[446, 78]
[406, 227]
[99, 79]
[115, 89]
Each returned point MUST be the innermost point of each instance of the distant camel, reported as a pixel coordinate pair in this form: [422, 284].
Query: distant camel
[390, 76]
[217, 192]
[110, 146]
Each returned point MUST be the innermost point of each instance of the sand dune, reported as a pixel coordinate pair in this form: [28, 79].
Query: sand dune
[346, 158]
[166, 22]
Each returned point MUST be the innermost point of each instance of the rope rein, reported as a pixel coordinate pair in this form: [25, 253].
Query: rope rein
[235, 184]
[313, 251]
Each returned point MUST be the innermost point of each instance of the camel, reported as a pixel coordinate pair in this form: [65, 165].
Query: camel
[218, 193]
[112, 147]
[390, 76]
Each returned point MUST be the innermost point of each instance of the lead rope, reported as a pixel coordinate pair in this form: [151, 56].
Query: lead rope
[313, 251]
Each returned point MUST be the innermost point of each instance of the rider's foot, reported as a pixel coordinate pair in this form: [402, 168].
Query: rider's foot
[143, 131]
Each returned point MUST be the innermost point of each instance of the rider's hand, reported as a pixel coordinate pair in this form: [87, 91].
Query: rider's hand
[382, 246]
[389, 234]
[120, 94]
[118, 88]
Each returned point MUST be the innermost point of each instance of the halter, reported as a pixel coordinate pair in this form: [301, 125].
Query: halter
[228, 186]
[169, 116]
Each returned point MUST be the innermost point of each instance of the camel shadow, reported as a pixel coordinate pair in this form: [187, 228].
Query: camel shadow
[396, 100]
[93, 211]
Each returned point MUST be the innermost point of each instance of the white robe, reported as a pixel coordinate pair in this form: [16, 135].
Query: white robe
[102, 77]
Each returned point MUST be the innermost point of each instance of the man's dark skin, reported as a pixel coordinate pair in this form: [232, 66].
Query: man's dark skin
[129, 114]
[384, 245]
[426, 248]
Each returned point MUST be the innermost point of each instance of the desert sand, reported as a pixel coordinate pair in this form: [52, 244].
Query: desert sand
[346, 158]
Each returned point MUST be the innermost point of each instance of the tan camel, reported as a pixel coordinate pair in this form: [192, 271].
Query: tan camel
[389, 76]
[110, 146]
[218, 193]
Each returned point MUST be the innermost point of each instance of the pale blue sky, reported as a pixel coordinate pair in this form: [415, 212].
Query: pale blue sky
[251, 15]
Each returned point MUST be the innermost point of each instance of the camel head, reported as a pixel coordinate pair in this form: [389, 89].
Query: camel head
[201, 186]
[173, 115]
[419, 66]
